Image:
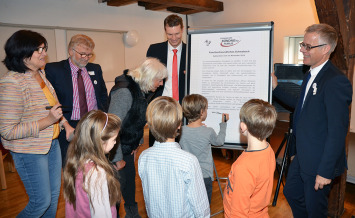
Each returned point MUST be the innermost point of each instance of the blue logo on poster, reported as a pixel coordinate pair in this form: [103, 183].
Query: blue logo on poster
[229, 41]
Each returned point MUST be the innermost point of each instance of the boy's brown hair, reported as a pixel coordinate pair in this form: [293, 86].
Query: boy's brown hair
[259, 117]
[193, 105]
[164, 117]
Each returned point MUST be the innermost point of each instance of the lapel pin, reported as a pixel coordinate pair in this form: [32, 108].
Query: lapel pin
[95, 82]
[314, 86]
[91, 73]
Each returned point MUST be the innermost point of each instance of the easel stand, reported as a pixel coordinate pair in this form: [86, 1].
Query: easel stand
[284, 165]
[231, 147]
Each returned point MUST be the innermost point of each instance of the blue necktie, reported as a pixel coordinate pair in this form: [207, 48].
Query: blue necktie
[300, 101]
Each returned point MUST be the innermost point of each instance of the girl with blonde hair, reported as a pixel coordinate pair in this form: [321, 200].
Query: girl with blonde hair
[90, 188]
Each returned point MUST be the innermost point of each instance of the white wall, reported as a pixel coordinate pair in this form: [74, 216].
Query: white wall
[90, 14]
[351, 157]
[291, 17]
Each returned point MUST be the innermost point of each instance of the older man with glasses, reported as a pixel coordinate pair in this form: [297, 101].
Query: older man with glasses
[321, 121]
[79, 84]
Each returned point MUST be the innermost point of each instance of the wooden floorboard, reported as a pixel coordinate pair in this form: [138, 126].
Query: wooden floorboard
[14, 198]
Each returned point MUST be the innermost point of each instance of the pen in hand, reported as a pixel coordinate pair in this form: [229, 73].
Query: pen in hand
[50, 107]
[225, 116]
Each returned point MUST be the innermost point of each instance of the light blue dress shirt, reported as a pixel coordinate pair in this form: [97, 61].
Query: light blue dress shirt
[172, 182]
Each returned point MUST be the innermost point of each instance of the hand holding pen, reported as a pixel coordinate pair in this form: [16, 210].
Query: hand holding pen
[53, 116]
[55, 113]
[225, 116]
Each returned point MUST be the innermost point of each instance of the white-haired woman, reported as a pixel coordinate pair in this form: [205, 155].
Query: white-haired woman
[127, 101]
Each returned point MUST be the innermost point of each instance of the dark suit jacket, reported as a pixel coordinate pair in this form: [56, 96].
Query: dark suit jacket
[322, 124]
[160, 51]
[59, 74]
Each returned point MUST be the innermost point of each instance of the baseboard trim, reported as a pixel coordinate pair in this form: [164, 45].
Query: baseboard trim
[350, 179]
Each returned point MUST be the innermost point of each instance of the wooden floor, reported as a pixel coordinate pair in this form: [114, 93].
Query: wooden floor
[14, 198]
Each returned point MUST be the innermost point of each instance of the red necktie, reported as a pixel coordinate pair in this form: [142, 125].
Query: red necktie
[175, 79]
[82, 96]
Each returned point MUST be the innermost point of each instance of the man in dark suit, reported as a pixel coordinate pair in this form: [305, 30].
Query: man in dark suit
[321, 120]
[64, 77]
[164, 51]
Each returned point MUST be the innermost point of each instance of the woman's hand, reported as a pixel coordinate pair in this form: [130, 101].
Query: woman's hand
[54, 115]
[134, 152]
[119, 165]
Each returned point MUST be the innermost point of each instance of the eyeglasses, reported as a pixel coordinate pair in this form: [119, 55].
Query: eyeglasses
[41, 49]
[83, 55]
[309, 47]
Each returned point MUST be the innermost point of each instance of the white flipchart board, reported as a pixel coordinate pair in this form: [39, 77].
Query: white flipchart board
[229, 65]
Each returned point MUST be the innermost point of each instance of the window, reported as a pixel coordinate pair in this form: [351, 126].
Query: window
[292, 54]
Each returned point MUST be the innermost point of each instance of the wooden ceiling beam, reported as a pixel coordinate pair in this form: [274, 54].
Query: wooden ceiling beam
[328, 13]
[118, 3]
[200, 5]
[151, 6]
[182, 10]
[176, 6]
